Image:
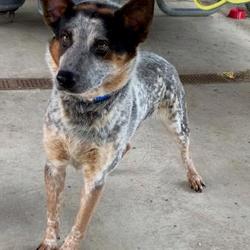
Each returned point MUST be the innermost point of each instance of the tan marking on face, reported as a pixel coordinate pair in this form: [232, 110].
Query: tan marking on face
[54, 49]
[114, 82]
[119, 61]
[93, 7]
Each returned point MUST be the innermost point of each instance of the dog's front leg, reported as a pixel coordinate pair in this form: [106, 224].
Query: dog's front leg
[54, 181]
[89, 199]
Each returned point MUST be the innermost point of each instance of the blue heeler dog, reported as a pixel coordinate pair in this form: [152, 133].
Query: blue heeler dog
[104, 87]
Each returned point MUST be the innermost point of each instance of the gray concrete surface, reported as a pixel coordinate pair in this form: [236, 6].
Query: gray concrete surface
[147, 203]
[194, 45]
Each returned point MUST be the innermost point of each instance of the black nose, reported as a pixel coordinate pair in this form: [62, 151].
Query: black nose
[65, 79]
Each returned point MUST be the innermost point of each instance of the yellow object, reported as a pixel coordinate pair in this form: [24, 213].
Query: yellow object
[230, 75]
[217, 4]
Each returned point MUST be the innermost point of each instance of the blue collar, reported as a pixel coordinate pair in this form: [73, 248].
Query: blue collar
[101, 98]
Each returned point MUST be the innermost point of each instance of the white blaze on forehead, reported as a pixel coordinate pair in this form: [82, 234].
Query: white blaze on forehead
[95, 30]
[86, 29]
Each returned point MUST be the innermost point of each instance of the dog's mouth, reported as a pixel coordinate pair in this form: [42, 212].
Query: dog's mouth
[87, 90]
[88, 95]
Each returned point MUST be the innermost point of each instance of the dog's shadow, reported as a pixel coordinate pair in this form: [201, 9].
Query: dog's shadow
[185, 186]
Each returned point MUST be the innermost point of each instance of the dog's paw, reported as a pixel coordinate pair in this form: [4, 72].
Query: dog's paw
[196, 182]
[68, 247]
[43, 246]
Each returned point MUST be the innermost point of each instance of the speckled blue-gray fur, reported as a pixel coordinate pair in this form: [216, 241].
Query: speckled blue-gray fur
[153, 82]
[104, 87]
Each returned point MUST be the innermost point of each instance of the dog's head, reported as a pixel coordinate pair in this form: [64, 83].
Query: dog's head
[94, 46]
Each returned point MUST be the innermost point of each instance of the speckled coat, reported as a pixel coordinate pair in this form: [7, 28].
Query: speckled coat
[104, 88]
[153, 85]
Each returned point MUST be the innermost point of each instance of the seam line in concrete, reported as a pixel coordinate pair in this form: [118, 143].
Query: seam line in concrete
[46, 83]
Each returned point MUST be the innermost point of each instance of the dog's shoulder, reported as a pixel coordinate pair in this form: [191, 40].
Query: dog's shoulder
[151, 67]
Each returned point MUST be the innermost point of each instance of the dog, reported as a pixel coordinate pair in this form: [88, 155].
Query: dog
[103, 89]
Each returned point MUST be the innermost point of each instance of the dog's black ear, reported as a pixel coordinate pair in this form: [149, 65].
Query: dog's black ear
[53, 10]
[134, 18]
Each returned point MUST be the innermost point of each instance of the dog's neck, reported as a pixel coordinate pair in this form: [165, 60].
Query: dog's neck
[79, 111]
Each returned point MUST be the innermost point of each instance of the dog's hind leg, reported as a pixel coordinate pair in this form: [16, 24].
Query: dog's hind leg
[54, 181]
[174, 114]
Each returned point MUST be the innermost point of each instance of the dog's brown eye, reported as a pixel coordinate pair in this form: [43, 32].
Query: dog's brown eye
[101, 47]
[66, 39]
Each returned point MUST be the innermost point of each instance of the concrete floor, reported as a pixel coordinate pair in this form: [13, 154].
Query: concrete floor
[147, 203]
